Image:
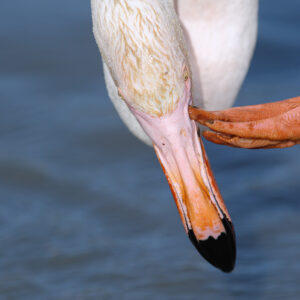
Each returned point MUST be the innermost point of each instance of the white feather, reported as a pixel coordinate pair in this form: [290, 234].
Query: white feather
[220, 36]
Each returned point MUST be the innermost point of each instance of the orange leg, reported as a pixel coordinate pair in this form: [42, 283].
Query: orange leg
[271, 125]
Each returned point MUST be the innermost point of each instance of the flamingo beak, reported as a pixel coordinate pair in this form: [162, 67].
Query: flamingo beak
[200, 205]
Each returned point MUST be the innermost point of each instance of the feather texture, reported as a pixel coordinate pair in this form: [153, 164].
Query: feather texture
[142, 45]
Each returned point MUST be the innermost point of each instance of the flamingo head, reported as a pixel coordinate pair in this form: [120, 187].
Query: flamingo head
[143, 46]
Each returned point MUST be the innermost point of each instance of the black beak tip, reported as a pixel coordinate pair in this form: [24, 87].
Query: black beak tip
[220, 252]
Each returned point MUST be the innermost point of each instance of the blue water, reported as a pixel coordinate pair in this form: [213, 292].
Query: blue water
[86, 212]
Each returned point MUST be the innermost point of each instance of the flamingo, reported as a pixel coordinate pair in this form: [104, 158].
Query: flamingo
[162, 61]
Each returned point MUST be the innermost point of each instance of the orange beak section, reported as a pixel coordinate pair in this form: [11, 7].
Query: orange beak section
[201, 208]
[200, 205]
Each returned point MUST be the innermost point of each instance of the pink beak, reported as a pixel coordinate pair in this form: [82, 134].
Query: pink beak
[184, 162]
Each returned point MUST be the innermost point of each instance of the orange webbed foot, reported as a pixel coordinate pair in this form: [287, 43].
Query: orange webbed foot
[270, 125]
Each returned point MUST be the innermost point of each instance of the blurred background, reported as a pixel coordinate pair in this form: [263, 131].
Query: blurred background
[85, 210]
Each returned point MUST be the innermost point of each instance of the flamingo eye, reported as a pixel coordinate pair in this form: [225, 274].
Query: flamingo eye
[185, 74]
